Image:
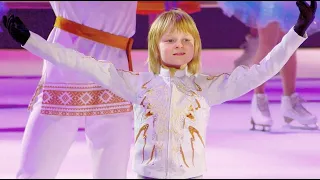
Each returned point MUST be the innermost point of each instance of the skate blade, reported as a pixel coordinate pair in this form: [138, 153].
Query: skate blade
[311, 128]
[291, 124]
[263, 128]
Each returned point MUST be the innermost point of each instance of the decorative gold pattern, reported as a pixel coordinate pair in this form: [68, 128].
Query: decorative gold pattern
[149, 113]
[184, 158]
[216, 76]
[197, 86]
[144, 85]
[198, 104]
[193, 130]
[190, 116]
[144, 129]
[155, 103]
[152, 154]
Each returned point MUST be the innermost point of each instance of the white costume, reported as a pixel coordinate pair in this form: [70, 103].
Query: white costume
[171, 111]
[66, 97]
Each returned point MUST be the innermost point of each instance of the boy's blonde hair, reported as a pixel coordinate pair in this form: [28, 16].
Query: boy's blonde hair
[180, 21]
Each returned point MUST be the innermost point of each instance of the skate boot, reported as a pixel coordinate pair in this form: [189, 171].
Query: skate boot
[295, 115]
[250, 47]
[260, 113]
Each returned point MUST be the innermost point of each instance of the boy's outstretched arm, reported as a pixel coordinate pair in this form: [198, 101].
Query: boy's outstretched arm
[120, 82]
[243, 79]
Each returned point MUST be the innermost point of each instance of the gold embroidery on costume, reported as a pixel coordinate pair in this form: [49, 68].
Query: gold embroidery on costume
[190, 116]
[144, 85]
[216, 76]
[182, 154]
[152, 154]
[193, 130]
[144, 129]
[198, 104]
[197, 86]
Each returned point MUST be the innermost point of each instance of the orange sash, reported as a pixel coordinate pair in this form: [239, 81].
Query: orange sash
[157, 7]
[106, 38]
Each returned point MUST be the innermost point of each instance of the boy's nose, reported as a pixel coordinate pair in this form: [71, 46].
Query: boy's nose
[179, 44]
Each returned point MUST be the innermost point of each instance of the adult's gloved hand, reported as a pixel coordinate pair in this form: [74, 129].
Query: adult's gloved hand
[16, 29]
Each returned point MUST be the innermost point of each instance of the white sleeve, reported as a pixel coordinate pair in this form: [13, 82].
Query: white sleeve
[122, 83]
[224, 87]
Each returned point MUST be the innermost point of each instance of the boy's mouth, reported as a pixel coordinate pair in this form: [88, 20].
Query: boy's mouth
[179, 54]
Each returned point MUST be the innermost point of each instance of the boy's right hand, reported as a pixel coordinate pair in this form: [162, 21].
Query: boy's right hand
[16, 29]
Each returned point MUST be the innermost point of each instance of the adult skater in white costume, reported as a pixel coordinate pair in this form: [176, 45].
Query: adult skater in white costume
[64, 98]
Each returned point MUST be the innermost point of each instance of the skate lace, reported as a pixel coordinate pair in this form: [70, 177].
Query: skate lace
[298, 106]
[263, 106]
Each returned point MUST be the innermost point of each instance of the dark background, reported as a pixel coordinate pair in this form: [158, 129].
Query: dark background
[216, 29]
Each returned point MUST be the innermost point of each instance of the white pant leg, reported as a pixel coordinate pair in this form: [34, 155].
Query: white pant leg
[109, 138]
[45, 143]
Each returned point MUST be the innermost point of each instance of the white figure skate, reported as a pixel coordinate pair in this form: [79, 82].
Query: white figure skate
[296, 116]
[260, 113]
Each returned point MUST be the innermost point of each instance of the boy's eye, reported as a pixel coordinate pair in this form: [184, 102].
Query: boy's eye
[170, 40]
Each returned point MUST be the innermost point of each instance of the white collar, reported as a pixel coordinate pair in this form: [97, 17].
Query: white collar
[173, 72]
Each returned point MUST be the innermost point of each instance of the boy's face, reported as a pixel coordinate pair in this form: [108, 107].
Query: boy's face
[176, 48]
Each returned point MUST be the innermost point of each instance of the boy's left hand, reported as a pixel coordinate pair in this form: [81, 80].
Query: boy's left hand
[306, 16]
